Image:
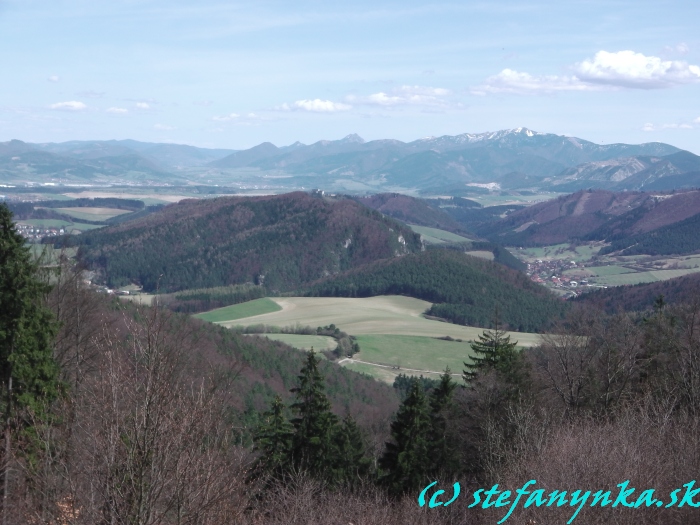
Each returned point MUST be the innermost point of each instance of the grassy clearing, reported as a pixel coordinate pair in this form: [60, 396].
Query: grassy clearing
[142, 298]
[422, 354]
[241, 311]
[599, 271]
[436, 236]
[497, 200]
[50, 253]
[57, 223]
[304, 342]
[644, 277]
[386, 375]
[390, 314]
[92, 214]
[482, 254]
[569, 252]
[157, 198]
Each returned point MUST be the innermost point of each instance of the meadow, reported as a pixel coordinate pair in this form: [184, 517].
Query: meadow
[57, 223]
[390, 330]
[256, 307]
[92, 214]
[304, 342]
[437, 236]
[581, 253]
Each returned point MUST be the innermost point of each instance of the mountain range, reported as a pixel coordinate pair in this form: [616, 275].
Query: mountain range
[514, 159]
[623, 218]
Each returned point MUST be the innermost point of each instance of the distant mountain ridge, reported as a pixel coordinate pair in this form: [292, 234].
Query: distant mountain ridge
[512, 158]
[619, 217]
[509, 159]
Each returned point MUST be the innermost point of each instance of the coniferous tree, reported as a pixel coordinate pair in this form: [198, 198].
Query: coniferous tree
[442, 454]
[406, 461]
[493, 351]
[353, 463]
[312, 446]
[28, 371]
[273, 440]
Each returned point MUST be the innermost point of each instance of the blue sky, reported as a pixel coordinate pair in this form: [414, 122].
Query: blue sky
[234, 74]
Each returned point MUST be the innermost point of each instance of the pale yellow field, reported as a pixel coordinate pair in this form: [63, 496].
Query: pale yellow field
[117, 195]
[144, 298]
[482, 254]
[100, 213]
[391, 314]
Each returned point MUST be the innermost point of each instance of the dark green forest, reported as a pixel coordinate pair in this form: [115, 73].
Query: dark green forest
[465, 289]
[279, 241]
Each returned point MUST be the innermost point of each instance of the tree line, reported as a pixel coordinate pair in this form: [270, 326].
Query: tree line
[464, 290]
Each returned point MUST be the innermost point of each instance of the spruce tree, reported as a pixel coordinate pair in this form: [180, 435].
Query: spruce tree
[28, 371]
[353, 463]
[442, 455]
[406, 461]
[314, 425]
[273, 440]
[493, 351]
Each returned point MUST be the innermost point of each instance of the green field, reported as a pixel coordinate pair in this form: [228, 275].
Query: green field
[50, 253]
[569, 252]
[380, 373]
[482, 254]
[304, 342]
[495, 199]
[415, 354]
[57, 223]
[241, 311]
[385, 314]
[390, 330]
[598, 271]
[643, 277]
[436, 236]
[92, 214]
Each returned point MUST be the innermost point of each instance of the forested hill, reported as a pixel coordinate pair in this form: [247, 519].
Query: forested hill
[594, 215]
[281, 241]
[466, 290]
[640, 297]
[411, 210]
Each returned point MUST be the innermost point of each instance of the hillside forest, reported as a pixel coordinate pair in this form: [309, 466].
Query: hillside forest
[115, 413]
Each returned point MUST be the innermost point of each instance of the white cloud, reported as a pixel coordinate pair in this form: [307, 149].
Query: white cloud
[678, 49]
[317, 106]
[510, 81]
[660, 127]
[605, 71]
[635, 70]
[118, 111]
[142, 105]
[54, 78]
[226, 118]
[163, 127]
[697, 120]
[405, 96]
[72, 105]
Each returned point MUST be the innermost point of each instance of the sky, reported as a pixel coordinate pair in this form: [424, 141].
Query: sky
[229, 74]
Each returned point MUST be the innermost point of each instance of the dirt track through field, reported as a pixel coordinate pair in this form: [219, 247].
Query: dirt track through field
[397, 368]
